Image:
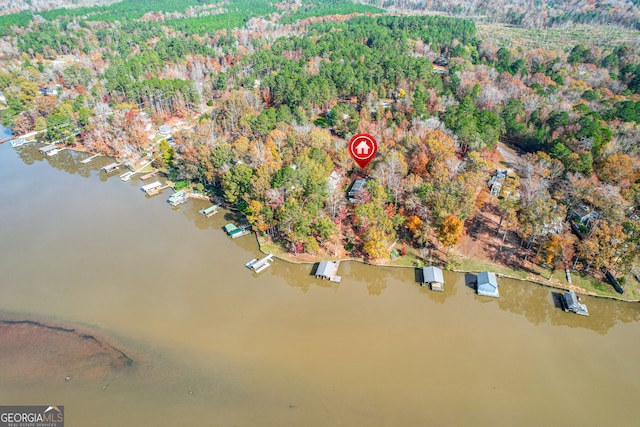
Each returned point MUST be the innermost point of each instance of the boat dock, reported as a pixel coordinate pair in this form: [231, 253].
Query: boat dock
[153, 188]
[199, 196]
[110, 168]
[235, 231]
[18, 142]
[26, 136]
[328, 270]
[178, 198]
[571, 302]
[149, 175]
[260, 265]
[54, 151]
[126, 176]
[47, 148]
[210, 211]
[88, 159]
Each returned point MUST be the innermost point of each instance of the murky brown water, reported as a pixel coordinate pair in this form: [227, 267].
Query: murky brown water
[284, 349]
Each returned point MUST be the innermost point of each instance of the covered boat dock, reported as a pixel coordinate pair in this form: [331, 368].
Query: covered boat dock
[328, 270]
[210, 211]
[433, 277]
[487, 284]
[110, 168]
[570, 302]
[178, 198]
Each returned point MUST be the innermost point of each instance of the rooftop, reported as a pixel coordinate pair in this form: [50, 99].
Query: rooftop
[358, 184]
[487, 284]
[432, 274]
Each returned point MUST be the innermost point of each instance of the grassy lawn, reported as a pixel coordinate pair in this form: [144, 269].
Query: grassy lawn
[471, 264]
[592, 285]
[411, 259]
[540, 275]
[273, 248]
[565, 39]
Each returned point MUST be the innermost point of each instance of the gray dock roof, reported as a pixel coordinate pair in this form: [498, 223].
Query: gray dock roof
[326, 269]
[432, 274]
[571, 300]
[47, 148]
[487, 284]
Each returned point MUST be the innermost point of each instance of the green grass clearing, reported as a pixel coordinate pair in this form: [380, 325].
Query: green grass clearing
[551, 38]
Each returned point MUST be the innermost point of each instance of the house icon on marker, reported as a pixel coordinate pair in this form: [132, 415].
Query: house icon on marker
[362, 148]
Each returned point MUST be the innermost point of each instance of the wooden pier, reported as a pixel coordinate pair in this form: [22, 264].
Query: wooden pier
[88, 159]
[260, 265]
[153, 188]
[54, 151]
[25, 136]
[157, 190]
[149, 175]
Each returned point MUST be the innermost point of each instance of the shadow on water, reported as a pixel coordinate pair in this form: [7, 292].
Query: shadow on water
[470, 280]
[68, 161]
[417, 276]
[191, 211]
[375, 283]
[290, 273]
[557, 300]
[314, 269]
[539, 305]
[29, 154]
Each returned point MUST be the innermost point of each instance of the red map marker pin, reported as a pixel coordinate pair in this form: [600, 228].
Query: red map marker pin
[363, 148]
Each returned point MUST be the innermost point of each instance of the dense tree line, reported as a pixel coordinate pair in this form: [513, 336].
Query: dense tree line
[281, 101]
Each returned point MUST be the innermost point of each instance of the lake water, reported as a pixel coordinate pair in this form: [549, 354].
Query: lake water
[216, 345]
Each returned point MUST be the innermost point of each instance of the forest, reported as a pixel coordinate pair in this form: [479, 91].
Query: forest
[273, 92]
[530, 14]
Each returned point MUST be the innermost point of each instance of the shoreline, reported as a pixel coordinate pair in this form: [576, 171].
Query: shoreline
[315, 259]
[529, 280]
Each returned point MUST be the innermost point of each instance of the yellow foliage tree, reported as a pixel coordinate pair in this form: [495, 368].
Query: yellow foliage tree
[413, 224]
[256, 216]
[376, 245]
[451, 231]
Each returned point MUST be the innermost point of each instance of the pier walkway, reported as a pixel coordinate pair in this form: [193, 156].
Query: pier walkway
[260, 265]
[88, 159]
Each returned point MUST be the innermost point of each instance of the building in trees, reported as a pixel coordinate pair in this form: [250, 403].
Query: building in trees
[357, 185]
